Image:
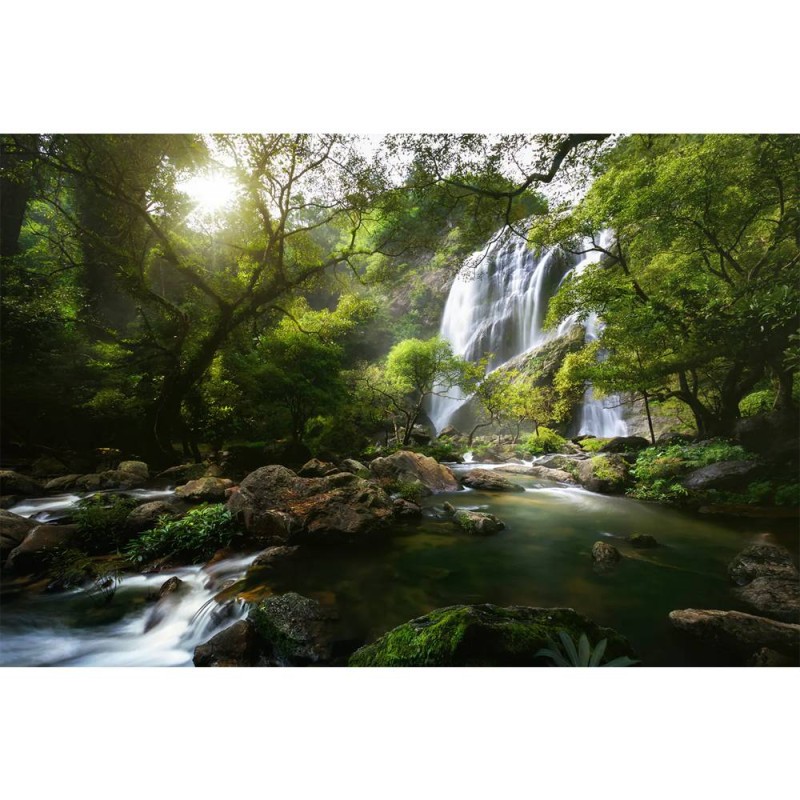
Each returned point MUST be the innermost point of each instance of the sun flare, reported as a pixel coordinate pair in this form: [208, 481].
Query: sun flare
[211, 192]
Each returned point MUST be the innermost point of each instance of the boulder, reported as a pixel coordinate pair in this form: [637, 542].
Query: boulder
[773, 435]
[13, 530]
[643, 541]
[175, 476]
[605, 554]
[62, 483]
[172, 586]
[294, 630]
[276, 506]
[138, 468]
[761, 561]
[405, 466]
[8, 500]
[405, 509]
[737, 632]
[548, 474]
[236, 646]
[483, 636]
[356, 467]
[487, 481]
[474, 522]
[727, 475]
[317, 469]
[606, 474]
[450, 432]
[273, 556]
[146, 516]
[38, 547]
[769, 658]
[624, 444]
[16, 483]
[204, 490]
[559, 461]
[673, 437]
[774, 597]
[47, 467]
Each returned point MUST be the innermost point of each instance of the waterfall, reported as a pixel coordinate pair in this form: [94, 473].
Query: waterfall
[497, 305]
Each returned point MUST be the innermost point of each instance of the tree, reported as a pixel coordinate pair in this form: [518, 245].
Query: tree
[699, 289]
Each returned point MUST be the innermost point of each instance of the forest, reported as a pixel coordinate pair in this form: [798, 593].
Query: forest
[411, 400]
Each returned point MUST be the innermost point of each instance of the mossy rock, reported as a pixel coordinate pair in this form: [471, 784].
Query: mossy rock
[483, 636]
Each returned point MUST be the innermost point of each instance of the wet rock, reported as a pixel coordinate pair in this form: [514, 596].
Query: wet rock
[761, 561]
[737, 632]
[146, 516]
[548, 474]
[236, 646]
[405, 509]
[405, 466]
[12, 482]
[13, 530]
[605, 554]
[275, 555]
[483, 636]
[275, 505]
[172, 586]
[605, 474]
[36, 550]
[294, 630]
[643, 541]
[180, 474]
[727, 475]
[769, 658]
[774, 597]
[204, 490]
[138, 468]
[450, 432]
[62, 483]
[487, 481]
[8, 500]
[317, 469]
[559, 461]
[624, 444]
[474, 522]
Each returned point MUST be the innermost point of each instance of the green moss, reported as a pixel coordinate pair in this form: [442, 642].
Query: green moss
[609, 470]
[592, 445]
[483, 635]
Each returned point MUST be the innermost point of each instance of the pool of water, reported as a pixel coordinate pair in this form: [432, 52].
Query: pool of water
[542, 558]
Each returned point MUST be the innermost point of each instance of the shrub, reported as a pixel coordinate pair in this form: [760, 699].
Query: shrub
[592, 445]
[546, 441]
[409, 490]
[72, 568]
[196, 536]
[100, 520]
[757, 403]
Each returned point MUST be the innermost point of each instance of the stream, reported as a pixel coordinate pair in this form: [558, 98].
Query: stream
[542, 558]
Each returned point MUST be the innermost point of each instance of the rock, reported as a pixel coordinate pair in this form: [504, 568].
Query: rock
[483, 636]
[275, 505]
[294, 630]
[236, 646]
[474, 522]
[773, 435]
[624, 444]
[582, 438]
[727, 475]
[606, 474]
[672, 437]
[405, 466]
[643, 541]
[38, 546]
[138, 468]
[405, 509]
[47, 467]
[275, 555]
[778, 598]
[12, 482]
[172, 586]
[486, 480]
[356, 467]
[737, 632]
[558, 461]
[8, 500]
[13, 530]
[317, 469]
[605, 554]
[183, 473]
[450, 432]
[204, 490]
[146, 516]
[62, 483]
[769, 658]
[761, 561]
[548, 474]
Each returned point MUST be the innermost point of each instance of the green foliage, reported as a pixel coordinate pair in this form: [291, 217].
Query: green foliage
[776, 492]
[100, 519]
[71, 568]
[542, 442]
[757, 403]
[196, 536]
[593, 445]
[413, 491]
[581, 656]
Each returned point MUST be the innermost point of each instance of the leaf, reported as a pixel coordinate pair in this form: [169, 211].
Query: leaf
[554, 655]
[569, 646]
[598, 653]
[584, 650]
[622, 661]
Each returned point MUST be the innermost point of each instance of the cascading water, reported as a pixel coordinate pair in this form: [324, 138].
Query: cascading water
[497, 305]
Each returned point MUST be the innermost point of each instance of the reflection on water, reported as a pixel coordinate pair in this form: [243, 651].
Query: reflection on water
[542, 558]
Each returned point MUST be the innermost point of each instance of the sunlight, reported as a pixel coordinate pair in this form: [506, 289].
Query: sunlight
[211, 192]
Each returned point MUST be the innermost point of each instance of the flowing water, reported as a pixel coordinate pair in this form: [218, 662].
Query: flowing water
[541, 559]
[497, 305]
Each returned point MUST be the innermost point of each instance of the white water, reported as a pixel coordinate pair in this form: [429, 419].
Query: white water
[496, 307]
[62, 629]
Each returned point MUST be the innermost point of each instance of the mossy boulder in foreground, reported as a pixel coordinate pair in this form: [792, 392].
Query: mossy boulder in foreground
[483, 636]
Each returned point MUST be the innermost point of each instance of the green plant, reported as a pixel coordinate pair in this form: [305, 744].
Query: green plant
[541, 443]
[196, 536]
[100, 519]
[661, 490]
[70, 568]
[757, 402]
[413, 491]
[592, 445]
[581, 656]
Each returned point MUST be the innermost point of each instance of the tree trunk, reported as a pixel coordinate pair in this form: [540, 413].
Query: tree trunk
[649, 417]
